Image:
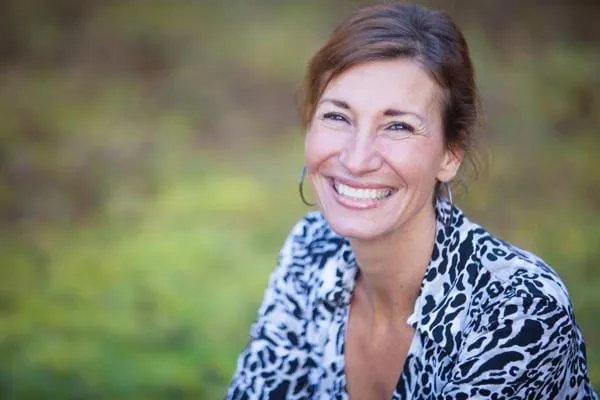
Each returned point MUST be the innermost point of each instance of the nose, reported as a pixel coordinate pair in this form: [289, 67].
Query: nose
[360, 155]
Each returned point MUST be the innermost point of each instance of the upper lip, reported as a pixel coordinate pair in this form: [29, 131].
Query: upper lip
[360, 185]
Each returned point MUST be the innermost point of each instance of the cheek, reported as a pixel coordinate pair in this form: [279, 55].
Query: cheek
[413, 161]
[319, 146]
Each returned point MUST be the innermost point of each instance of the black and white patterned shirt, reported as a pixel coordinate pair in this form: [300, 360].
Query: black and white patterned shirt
[491, 322]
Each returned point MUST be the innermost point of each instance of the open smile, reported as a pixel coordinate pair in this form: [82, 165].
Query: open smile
[360, 196]
[361, 193]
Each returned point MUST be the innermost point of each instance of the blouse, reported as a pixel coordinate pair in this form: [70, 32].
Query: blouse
[491, 321]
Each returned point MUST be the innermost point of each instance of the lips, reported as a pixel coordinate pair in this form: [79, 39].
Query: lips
[365, 193]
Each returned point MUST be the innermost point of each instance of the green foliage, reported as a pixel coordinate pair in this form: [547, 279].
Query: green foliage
[135, 310]
[148, 170]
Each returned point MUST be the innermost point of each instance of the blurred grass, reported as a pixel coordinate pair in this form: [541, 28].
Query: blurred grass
[158, 305]
[148, 178]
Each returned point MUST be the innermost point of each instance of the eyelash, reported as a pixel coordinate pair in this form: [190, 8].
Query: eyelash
[403, 126]
[337, 117]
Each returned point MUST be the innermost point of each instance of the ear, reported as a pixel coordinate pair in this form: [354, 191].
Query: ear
[451, 162]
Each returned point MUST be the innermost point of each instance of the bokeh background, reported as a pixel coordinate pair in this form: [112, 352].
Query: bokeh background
[149, 152]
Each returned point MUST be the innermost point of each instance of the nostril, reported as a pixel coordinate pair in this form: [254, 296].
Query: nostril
[359, 159]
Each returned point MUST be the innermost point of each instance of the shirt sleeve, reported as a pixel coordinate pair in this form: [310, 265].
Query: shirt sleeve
[273, 364]
[531, 349]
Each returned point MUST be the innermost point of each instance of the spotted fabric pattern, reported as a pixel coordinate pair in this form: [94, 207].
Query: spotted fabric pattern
[491, 321]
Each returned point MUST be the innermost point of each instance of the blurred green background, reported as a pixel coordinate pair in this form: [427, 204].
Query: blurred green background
[149, 152]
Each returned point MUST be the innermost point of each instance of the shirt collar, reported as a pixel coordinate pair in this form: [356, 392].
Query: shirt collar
[338, 274]
[435, 315]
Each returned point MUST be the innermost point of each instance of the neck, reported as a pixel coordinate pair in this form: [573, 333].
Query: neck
[392, 267]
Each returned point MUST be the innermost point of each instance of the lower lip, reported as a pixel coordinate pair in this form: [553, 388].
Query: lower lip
[356, 204]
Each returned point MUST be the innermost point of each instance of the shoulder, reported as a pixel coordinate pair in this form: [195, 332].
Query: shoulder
[477, 281]
[510, 283]
[309, 248]
[285, 298]
[310, 237]
[310, 227]
[317, 262]
[517, 272]
[519, 326]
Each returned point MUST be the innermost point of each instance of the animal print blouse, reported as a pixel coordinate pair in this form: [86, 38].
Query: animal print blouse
[491, 322]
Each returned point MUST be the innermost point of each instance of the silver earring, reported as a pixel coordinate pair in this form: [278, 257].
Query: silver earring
[448, 188]
[301, 188]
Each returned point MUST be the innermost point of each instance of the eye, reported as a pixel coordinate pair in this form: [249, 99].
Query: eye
[400, 126]
[333, 116]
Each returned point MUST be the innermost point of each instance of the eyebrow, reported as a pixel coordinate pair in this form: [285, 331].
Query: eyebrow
[390, 112]
[335, 102]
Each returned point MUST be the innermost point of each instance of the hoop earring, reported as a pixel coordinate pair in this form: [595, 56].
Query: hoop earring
[301, 188]
[448, 219]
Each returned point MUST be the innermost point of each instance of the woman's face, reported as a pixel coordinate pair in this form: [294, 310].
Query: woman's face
[375, 148]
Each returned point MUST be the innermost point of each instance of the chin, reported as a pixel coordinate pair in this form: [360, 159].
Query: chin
[356, 228]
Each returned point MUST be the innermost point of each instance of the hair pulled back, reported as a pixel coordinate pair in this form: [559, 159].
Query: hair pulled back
[400, 30]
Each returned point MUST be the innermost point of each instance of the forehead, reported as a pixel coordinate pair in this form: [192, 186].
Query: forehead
[377, 85]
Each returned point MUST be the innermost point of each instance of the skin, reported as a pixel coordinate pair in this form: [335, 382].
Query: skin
[378, 126]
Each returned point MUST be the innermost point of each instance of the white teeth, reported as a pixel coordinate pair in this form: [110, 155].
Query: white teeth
[361, 194]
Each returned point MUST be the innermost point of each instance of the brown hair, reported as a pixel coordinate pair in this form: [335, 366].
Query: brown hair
[400, 30]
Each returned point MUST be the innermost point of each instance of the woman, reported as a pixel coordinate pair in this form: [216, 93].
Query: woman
[390, 291]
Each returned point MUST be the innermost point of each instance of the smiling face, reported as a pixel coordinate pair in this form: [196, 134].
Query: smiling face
[375, 149]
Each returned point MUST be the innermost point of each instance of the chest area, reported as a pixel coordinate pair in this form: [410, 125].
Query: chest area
[397, 369]
[374, 360]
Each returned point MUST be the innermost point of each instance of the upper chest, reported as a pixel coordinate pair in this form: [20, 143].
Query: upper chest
[374, 357]
[398, 366]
